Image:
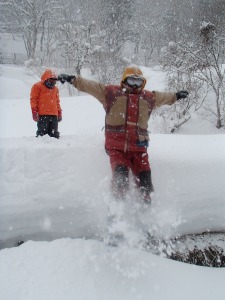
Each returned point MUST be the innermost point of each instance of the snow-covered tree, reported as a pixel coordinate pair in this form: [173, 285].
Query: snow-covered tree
[75, 43]
[28, 17]
[199, 63]
[116, 27]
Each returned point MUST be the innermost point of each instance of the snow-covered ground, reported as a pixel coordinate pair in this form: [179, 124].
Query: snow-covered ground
[55, 193]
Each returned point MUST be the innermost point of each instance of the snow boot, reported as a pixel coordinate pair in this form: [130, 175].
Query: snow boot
[120, 182]
[145, 186]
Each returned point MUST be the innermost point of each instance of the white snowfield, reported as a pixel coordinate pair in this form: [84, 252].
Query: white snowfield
[79, 269]
[54, 194]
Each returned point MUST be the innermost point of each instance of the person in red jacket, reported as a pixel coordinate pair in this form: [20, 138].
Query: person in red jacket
[45, 105]
[128, 108]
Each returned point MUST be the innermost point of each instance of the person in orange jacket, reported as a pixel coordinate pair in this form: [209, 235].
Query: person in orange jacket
[45, 105]
[128, 107]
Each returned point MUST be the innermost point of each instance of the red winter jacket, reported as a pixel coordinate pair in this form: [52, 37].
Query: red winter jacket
[126, 119]
[127, 114]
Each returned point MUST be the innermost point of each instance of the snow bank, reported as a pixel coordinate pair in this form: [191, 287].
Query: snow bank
[79, 269]
[60, 188]
[51, 188]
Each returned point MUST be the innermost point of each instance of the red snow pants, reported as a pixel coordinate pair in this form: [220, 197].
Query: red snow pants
[138, 163]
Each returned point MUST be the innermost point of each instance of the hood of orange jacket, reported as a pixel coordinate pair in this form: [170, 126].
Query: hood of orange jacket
[130, 71]
[48, 74]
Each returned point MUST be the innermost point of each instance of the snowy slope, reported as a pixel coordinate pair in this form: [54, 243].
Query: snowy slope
[79, 269]
[53, 189]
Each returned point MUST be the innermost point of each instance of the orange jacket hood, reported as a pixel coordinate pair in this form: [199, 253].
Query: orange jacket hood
[48, 74]
[133, 70]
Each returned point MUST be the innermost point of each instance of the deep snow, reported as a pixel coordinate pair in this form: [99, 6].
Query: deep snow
[53, 189]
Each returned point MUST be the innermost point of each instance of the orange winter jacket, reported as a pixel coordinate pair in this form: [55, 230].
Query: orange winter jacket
[44, 100]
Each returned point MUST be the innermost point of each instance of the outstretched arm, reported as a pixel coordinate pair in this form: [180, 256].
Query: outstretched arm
[168, 98]
[93, 88]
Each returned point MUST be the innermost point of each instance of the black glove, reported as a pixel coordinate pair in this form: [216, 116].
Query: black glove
[182, 94]
[64, 77]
